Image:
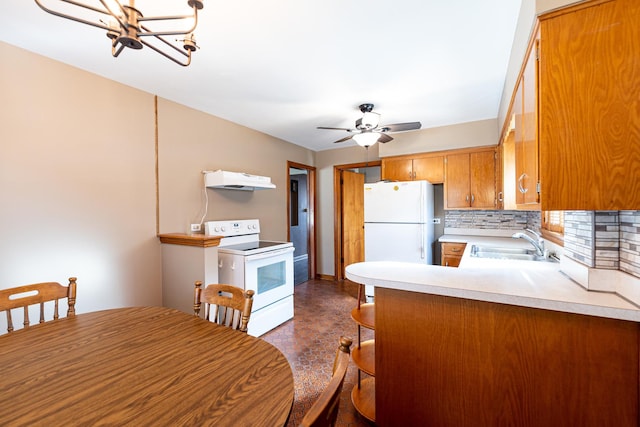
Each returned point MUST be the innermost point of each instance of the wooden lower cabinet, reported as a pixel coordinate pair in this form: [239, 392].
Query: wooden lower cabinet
[444, 361]
[452, 253]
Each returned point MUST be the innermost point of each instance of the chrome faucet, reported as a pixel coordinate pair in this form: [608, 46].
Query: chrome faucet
[537, 243]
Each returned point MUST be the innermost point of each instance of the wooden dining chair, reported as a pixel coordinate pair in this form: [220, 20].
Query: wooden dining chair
[37, 293]
[324, 411]
[224, 304]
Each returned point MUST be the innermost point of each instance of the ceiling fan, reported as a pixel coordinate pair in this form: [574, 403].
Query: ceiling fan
[368, 131]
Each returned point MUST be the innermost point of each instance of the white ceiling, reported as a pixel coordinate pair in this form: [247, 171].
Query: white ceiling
[284, 67]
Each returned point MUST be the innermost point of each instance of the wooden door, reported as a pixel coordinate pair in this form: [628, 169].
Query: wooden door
[397, 169]
[352, 187]
[429, 168]
[457, 181]
[483, 179]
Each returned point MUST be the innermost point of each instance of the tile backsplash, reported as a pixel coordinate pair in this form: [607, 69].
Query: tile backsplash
[598, 239]
[504, 220]
[630, 242]
[578, 236]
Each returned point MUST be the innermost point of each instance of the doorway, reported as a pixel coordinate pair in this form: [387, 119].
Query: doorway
[348, 216]
[301, 219]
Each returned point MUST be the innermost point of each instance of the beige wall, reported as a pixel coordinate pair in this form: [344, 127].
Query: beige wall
[77, 179]
[463, 135]
[77, 182]
[190, 141]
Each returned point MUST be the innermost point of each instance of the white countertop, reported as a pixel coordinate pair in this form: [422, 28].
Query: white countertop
[524, 283]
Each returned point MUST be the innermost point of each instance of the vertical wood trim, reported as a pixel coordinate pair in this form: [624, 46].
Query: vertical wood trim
[311, 215]
[337, 212]
[155, 111]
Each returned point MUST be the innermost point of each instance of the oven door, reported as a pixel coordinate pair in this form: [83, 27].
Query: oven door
[270, 275]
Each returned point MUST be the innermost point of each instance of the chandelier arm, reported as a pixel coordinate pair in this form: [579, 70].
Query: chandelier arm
[73, 18]
[116, 16]
[115, 52]
[188, 54]
[170, 33]
[85, 6]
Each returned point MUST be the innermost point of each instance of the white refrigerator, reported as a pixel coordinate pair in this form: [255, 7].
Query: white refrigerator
[398, 222]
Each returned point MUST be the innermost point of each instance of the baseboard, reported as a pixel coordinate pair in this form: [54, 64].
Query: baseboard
[325, 277]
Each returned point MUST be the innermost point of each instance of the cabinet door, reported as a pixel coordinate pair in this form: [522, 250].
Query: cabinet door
[482, 182]
[457, 181]
[429, 168]
[452, 253]
[397, 169]
[500, 176]
[518, 141]
[590, 108]
[528, 176]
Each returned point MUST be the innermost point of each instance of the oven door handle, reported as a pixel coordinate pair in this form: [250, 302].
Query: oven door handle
[269, 254]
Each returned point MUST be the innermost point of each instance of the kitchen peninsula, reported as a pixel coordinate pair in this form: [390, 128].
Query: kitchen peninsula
[499, 342]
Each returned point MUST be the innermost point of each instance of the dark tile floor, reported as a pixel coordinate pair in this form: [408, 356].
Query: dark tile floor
[310, 339]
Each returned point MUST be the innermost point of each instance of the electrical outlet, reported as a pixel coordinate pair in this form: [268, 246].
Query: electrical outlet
[436, 220]
[196, 227]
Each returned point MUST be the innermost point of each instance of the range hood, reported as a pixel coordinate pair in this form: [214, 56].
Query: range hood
[237, 181]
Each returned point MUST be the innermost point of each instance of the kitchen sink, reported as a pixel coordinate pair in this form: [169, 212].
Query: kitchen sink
[520, 254]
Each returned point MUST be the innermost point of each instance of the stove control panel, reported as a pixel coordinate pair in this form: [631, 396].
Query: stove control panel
[232, 228]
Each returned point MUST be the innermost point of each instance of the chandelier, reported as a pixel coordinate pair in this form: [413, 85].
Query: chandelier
[366, 138]
[127, 27]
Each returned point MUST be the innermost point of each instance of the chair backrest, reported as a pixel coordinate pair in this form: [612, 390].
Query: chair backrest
[324, 411]
[224, 304]
[37, 293]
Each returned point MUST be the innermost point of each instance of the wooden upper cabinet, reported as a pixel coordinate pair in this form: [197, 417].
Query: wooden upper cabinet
[397, 169]
[429, 168]
[457, 194]
[470, 180]
[589, 107]
[482, 182]
[527, 141]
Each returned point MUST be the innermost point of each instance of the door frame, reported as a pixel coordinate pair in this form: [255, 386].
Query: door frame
[311, 216]
[337, 212]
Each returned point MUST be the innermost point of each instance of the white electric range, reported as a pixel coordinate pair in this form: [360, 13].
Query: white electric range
[264, 266]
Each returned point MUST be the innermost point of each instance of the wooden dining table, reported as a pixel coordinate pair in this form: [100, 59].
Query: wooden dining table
[141, 366]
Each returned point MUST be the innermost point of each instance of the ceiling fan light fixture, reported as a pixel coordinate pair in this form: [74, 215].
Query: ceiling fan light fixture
[127, 27]
[370, 120]
[366, 139]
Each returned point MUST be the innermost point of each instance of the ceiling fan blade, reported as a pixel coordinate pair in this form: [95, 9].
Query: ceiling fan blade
[400, 127]
[330, 128]
[384, 138]
[346, 138]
